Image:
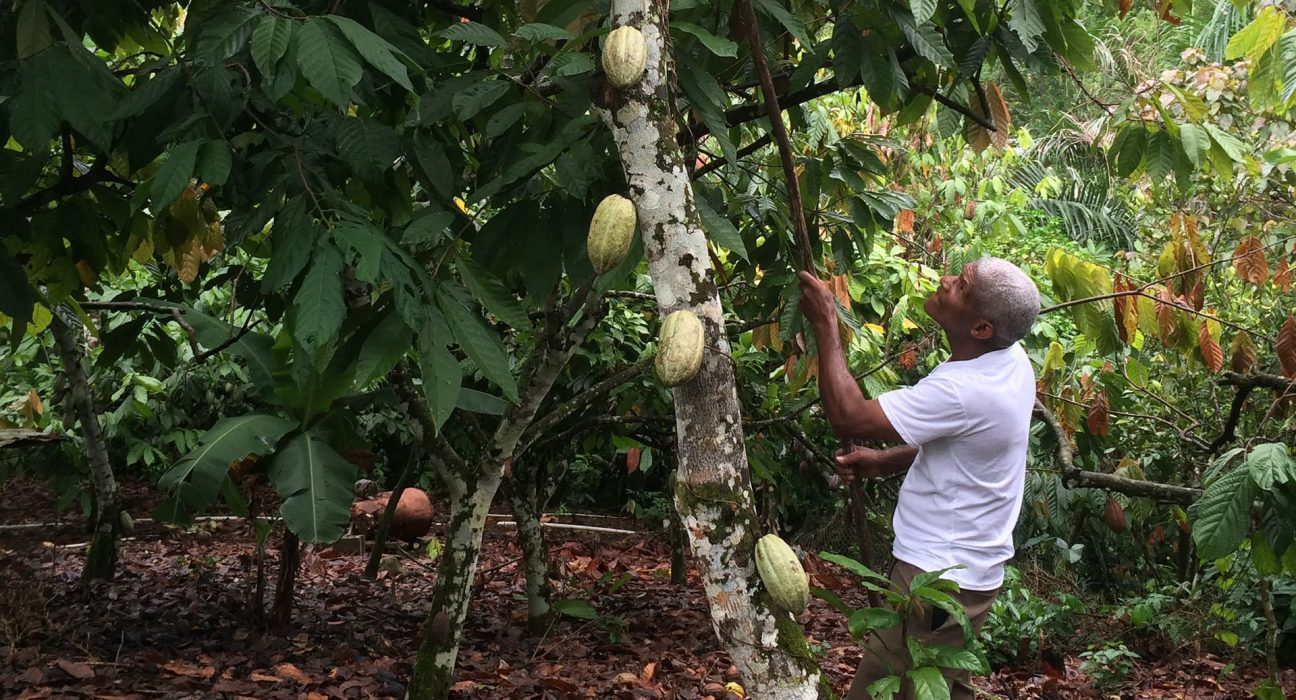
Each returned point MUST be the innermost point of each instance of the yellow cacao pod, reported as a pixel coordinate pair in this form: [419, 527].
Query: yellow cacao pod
[611, 232]
[625, 53]
[781, 572]
[679, 352]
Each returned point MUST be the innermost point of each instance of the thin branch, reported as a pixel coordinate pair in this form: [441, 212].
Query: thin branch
[564, 410]
[717, 163]
[1183, 434]
[952, 104]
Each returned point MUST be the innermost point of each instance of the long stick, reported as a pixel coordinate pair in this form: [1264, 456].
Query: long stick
[859, 503]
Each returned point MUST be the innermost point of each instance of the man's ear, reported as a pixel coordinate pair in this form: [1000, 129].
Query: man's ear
[983, 329]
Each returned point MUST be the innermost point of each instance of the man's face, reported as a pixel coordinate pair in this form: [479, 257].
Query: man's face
[952, 304]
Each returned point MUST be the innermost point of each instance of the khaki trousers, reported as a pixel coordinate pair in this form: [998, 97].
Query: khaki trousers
[886, 652]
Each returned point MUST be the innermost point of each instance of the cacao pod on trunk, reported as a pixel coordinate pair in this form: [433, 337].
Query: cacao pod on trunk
[625, 54]
[781, 572]
[611, 232]
[679, 353]
[1114, 515]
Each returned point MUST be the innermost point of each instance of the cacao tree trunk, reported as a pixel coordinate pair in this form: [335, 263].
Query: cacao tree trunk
[472, 486]
[384, 524]
[713, 488]
[527, 500]
[101, 559]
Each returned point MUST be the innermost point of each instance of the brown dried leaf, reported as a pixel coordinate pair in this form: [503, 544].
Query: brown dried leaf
[1287, 346]
[76, 669]
[1282, 277]
[904, 221]
[908, 359]
[1197, 295]
[1098, 418]
[1000, 115]
[840, 286]
[293, 673]
[1165, 315]
[1211, 351]
[1250, 262]
[633, 455]
[1242, 354]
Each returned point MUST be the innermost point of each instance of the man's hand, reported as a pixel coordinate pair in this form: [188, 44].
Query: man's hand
[860, 462]
[817, 301]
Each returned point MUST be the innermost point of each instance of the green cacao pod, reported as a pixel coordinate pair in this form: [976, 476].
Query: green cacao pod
[126, 521]
[625, 53]
[679, 353]
[781, 572]
[611, 232]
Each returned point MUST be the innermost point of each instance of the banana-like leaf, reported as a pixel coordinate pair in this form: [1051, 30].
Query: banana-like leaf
[195, 481]
[316, 484]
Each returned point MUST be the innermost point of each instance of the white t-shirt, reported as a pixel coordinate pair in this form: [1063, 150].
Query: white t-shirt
[970, 421]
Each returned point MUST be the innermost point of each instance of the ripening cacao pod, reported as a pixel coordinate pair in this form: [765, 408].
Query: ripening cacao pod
[625, 53]
[781, 572]
[1114, 515]
[679, 353]
[611, 232]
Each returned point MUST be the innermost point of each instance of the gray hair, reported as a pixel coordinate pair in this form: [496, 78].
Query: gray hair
[1007, 298]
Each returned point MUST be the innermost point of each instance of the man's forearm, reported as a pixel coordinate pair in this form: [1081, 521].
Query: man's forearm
[893, 460]
[841, 396]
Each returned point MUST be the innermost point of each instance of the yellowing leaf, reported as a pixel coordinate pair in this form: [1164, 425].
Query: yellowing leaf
[879, 329]
[908, 325]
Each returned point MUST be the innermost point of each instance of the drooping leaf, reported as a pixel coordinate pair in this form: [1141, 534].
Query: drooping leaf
[16, 300]
[270, 42]
[1099, 415]
[1223, 514]
[316, 484]
[1257, 37]
[214, 163]
[720, 229]
[536, 32]
[1211, 351]
[1286, 347]
[716, 45]
[922, 10]
[481, 344]
[790, 22]
[472, 100]
[196, 479]
[1271, 463]
[1242, 354]
[292, 240]
[472, 33]
[376, 50]
[319, 306]
[329, 64]
[926, 41]
[1249, 261]
[928, 683]
[172, 177]
[491, 292]
[1024, 19]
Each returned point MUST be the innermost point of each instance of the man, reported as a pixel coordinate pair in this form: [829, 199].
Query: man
[963, 431]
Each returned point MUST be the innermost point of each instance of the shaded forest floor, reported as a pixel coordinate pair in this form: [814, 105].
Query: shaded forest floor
[175, 624]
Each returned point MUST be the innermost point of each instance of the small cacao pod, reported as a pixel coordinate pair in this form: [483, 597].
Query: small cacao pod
[611, 232]
[679, 353]
[781, 572]
[625, 54]
[1114, 515]
[126, 521]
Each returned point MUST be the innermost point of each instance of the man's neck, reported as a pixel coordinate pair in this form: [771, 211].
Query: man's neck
[967, 349]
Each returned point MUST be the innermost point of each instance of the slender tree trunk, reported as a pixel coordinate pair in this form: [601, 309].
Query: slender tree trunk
[472, 486]
[384, 524]
[1271, 629]
[527, 501]
[289, 562]
[101, 560]
[713, 488]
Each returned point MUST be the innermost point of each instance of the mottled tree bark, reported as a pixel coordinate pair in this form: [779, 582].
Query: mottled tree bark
[527, 499]
[713, 488]
[101, 559]
[472, 486]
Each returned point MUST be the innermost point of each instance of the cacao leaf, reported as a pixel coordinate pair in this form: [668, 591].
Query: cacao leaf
[1165, 315]
[1211, 351]
[1000, 115]
[1098, 418]
[327, 63]
[1250, 262]
[1242, 354]
[1282, 277]
[1287, 347]
[316, 485]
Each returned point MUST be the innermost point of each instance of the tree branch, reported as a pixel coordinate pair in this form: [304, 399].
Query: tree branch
[538, 428]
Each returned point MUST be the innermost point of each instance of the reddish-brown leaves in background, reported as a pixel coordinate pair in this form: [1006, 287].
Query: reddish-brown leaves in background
[1165, 314]
[908, 359]
[1211, 351]
[1126, 308]
[1287, 346]
[1098, 418]
[1250, 262]
[1242, 354]
[1282, 277]
[904, 221]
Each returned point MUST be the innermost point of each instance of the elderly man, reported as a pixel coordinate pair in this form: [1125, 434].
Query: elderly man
[963, 430]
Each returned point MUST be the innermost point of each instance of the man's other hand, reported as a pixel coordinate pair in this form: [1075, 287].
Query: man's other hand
[859, 463]
[817, 301]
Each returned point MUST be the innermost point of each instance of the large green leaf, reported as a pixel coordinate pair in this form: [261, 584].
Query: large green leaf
[33, 110]
[790, 22]
[442, 377]
[1257, 37]
[929, 684]
[16, 299]
[196, 479]
[270, 42]
[316, 484]
[172, 177]
[716, 45]
[382, 349]
[1025, 22]
[319, 307]
[472, 33]
[1223, 514]
[291, 240]
[481, 344]
[328, 63]
[922, 9]
[926, 41]
[1270, 463]
[866, 620]
[369, 147]
[719, 228]
[374, 49]
[472, 100]
[492, 293]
